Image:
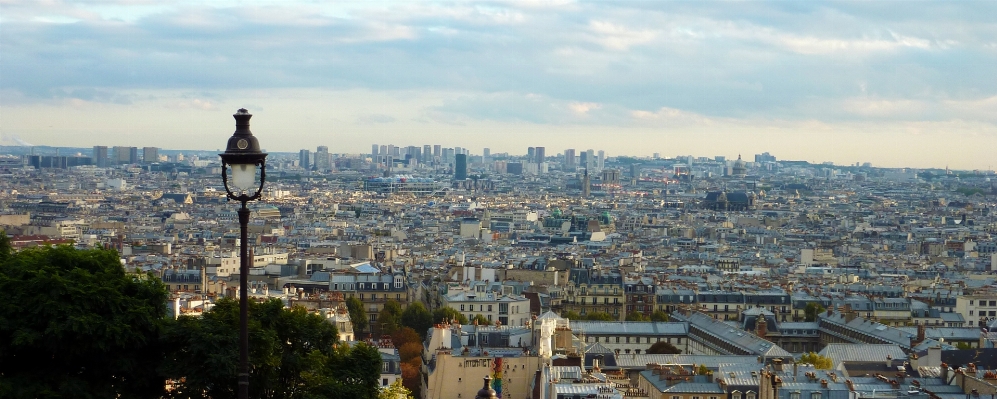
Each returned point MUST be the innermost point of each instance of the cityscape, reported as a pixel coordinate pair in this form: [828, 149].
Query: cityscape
[559, 273]
[498, 199]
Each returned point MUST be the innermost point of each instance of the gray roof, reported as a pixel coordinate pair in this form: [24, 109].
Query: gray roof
[862, 352]
[629, 328]
[747, 341]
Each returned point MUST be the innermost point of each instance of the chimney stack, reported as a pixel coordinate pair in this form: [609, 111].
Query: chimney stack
[761, 326]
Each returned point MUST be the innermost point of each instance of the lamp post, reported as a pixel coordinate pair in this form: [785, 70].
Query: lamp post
[244, 157]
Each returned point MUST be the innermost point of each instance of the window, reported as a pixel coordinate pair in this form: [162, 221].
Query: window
[815, 395]
[735, 395]
[462, 307]
[490, 308]
[752, 395]
[794, 395]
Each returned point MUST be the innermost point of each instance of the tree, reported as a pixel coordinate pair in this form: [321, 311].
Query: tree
[6, 250]
[812, 310]
[352, 372]
[600, 316]
[819, 362]
[663, 348]
[390, 317]
[482, 320]
[74, 324]
[418, 318]
[405, 335]
[963, 346]
[448, 313]
[703, 370]
[571, 315]
[660, 315]
[636, 316]
[358, 316]
[395, 391]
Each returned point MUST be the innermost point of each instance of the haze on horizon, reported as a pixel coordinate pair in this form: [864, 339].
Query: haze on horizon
[895, 84]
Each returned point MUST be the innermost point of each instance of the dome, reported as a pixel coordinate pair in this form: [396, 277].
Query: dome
[486, 392]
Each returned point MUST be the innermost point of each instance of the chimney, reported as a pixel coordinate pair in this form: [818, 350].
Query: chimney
[823, 384]
[889, 361]
[777, 364]
[920, 333]
[795, 370]
[761, 326]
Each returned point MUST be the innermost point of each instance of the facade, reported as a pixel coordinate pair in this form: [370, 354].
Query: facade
[460, 167]
[100, 156]
[591, 291]
[304, 158]
[978, 310]
[631, 336]
[150, 154]
[403, 184]
[457, 357]
[507, 310]
[371, 286]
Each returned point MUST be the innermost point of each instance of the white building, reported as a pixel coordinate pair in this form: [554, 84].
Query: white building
[509, 310]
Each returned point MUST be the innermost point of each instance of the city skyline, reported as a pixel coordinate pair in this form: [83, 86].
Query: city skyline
[840, 82]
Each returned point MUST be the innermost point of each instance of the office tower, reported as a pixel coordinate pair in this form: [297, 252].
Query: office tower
[460, 167]
[413, 152]
[437, 151]
[458, 151]
[531, 154]
[602, 159]
[569, 158]
[586, 186]
[150, 154]
[540, 153]
[304, 159]
[590, 161]
[485, 154]
[322, 159]
[515, 168]
[583, 159]
[383, 150]
[123, 155]
[427, 154]
[100, 156]
[634, 170]
[373, 150]
[392, 151]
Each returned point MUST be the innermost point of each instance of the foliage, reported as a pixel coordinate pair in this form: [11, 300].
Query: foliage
[660, 315]
[812, 310]
[74, 324]
[571, 315]
[395, 391]
[403, 336]
[390, 317]
[703, 370]
[637, 316]
[663, 348]
[819, 362]
[481, 320]
[963, 345]
[358, 316]
[351, 372]
[448, 313]
[418, 318]
[6, 250]
[600, 316]
[410, 375]
[285, 345]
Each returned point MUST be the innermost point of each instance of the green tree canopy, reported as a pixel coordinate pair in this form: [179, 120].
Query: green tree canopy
[448, 313]
[74, 324]
[417, 318]
[358, 315]
[293, 354]
[600, 316]
[636, 316]
[390, 317]
[812, 310]
[482, 320]
[571, 315]
[660, 315]
[819, 362]
[663, 348]
[395, 391]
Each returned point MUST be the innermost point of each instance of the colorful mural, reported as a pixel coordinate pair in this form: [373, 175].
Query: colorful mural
[497, 376]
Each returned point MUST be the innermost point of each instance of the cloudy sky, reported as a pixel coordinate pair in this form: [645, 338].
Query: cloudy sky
[888, 82]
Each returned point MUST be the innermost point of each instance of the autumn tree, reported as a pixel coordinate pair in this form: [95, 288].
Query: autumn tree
[819, 362]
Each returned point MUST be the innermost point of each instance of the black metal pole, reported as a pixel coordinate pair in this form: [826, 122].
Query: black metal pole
[243, 303]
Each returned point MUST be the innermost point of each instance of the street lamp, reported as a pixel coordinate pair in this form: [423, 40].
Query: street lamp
[244, 157]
